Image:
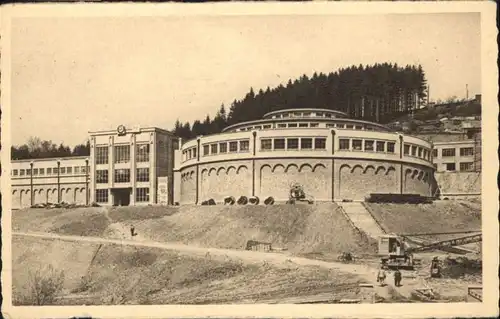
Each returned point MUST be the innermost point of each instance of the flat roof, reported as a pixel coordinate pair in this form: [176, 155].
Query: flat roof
[47, 159]
[304, 110]
[132, 130]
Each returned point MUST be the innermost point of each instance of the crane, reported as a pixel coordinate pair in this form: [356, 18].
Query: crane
[397, 253]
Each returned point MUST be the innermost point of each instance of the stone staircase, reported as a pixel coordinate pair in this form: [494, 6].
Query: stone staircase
[362, 219]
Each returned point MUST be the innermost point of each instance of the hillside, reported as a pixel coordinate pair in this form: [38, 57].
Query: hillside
[438, 217]
[131, 275]
[298, 228]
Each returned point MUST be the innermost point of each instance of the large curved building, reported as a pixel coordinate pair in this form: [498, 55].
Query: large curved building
[333, 157]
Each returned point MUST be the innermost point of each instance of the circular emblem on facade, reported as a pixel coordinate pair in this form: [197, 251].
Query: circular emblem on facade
[121, 130]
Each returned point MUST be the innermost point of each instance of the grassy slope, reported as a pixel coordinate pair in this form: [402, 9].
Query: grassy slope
[440, 216]
[127, 275]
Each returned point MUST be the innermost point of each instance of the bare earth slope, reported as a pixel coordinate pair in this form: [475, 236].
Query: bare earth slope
[142, 275]
[438, 217]
[318, 228]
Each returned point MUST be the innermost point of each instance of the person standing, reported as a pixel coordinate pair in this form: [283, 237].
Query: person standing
[397, 278]
[381, 277]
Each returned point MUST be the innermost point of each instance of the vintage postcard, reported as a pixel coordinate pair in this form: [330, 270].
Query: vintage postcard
[249, 160]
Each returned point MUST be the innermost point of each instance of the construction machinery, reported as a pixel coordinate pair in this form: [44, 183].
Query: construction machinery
[397, 250]
[297, 194]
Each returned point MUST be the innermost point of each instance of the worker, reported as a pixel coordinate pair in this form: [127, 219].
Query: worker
[397, 278]
[381, 277]
[132, 231]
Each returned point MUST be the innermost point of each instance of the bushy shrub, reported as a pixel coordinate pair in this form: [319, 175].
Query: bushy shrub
[44, 286]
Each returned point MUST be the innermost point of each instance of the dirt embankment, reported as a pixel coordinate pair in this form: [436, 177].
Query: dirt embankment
[302, 229]
[115, 274]
[438, 217]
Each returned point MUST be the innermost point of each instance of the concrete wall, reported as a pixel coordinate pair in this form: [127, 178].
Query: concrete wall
[459, 183]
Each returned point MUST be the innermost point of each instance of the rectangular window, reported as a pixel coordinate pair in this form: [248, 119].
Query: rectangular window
[266, 127]
[407, 149]
[368, 145]
[320, 143]
[306, 143]
[357, 145]
[279, 144]
[466, 151]
[344, 144]
[35, 171]
[390, 147]
[63, 170]
[330, 125]
[266, 144]
[122, 153]
[292, 124]
[28, 171]
[425, 154]
[69, 170]
[102, 176]
[380, 146]
[233, 146]
[420, 152]
[142, 195]
[313, 124]
[189, 154]
[281, 125]
[213, 149]
[77, 169]
[143, 174]
[49, 171]
[450, 166]
[142, 153]
[122, 175]
[223, 147]
[303, 125]
[101, 195]
[466, 166]
[83, 169]
[435, 152]
[447, 152]
[15, 172]
[101, 155]
[21, 172]
[244, 146]
[349, 127]
[206, 150]
[194, 152]
[414, 151]
[55, 171]
[292, 143]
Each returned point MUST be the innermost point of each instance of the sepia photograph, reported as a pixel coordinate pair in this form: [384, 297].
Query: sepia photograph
[222, 157]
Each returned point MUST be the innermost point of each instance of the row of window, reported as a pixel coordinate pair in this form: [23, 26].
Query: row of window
[64, 170]
[417, 151]
[449, 152]
[122, 175]
[306, 125]
[122, 154]
[141, 195]
[466, 166]
[367, 145]
[189, 153]
[292, 143]
[303, 114]
[226, 147]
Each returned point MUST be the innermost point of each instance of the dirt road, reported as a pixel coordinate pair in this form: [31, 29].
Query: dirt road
[365, 272]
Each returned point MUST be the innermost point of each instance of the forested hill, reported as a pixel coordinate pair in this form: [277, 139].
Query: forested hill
[379, 93]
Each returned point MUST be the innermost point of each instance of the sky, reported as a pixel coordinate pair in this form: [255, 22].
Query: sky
[74, 75]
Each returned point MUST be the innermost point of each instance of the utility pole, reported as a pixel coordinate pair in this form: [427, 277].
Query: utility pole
[31, 183]
[466, 92]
